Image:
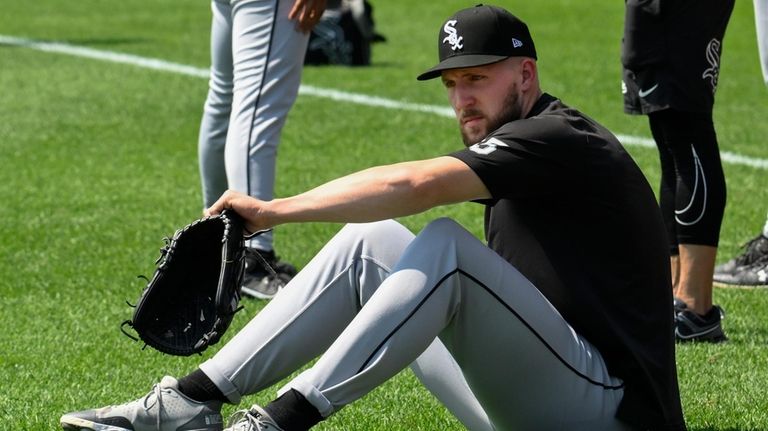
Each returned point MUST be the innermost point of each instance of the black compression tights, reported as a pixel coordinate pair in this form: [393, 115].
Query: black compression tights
[692, 193]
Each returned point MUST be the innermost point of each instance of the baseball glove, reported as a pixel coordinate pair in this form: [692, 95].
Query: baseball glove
[195, 290]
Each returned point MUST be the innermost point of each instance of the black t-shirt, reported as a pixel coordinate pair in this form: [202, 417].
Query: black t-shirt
[572, 212]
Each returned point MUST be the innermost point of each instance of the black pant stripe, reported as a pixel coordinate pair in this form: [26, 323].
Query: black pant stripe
[508, 307]
[258, 96]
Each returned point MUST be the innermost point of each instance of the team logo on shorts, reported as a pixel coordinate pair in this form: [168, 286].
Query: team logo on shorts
[713, 58]
[453, 36]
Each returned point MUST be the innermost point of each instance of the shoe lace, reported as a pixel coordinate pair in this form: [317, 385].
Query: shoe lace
[158, 392]
[762, 257]
[752, 251]
[245, 420]
[760, 262]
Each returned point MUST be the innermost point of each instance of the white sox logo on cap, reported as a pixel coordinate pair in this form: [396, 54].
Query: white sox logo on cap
[492, 34]
[453, 37]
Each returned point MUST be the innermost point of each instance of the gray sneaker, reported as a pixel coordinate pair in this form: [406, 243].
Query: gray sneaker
[162, 409]
[254, 419]
[755, 274]
[733, 272]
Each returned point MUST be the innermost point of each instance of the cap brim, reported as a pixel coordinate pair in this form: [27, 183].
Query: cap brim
[458, 62]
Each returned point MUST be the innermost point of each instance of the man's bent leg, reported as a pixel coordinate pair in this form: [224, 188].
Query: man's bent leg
[442, 376]
[304, 319]
[519, 357]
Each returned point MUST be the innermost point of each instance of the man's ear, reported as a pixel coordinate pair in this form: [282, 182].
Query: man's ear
[529, 74]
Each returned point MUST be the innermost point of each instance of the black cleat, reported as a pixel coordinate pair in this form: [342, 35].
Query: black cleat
[690, 326]
[265, 274]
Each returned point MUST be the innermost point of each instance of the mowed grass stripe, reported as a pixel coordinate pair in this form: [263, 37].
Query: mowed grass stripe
[308, 90]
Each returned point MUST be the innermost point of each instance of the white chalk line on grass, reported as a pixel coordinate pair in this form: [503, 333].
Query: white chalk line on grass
[308, 90]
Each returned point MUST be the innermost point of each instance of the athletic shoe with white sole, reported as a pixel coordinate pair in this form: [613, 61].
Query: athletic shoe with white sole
[737, 270]
[254, 419]
[162, 409]
[690, 326]
[755, 274]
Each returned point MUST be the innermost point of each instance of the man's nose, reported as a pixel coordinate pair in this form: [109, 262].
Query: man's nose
[463, 97]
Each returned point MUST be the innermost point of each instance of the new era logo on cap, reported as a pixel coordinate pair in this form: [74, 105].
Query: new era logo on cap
[480, 35]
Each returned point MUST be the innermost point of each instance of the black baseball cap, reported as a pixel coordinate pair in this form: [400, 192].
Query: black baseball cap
[480, 35]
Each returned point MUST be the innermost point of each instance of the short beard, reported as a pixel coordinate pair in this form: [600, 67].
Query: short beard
[512, 110]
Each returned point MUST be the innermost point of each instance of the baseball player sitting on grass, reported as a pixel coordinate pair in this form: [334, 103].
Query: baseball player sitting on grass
[557, 323]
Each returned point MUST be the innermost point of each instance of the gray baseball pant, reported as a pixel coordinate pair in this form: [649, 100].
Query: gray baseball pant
[257, 56]
[761, 28]
[475, 331]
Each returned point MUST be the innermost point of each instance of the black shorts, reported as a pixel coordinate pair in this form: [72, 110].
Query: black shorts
[671, 54]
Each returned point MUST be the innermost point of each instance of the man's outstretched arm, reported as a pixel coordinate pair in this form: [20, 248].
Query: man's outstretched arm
[377, 193]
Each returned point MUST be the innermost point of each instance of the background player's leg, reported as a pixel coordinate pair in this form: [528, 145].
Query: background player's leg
[218, 104]
[519, 357]
[761, 25]
[699, 199]
[667, 190]
[268, 58]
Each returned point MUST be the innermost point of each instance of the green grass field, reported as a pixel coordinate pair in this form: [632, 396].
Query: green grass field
[98, 163]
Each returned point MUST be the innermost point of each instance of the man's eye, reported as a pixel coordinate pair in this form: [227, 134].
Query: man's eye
[476, 77]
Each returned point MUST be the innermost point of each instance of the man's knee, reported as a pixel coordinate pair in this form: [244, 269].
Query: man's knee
[384, 240]
[380, 231]
[441, 230]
